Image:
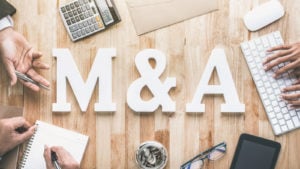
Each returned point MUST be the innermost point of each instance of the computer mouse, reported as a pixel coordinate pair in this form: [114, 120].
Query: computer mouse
[263, 15]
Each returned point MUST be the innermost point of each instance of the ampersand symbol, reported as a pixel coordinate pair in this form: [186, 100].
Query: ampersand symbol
[150, 78]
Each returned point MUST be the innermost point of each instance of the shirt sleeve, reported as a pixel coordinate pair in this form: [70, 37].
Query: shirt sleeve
[6, 22]
[6, 9]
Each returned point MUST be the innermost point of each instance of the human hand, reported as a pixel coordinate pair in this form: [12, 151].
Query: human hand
[17, 54]
[283, 53]
[293, 99]
[64, 158]
[14, 131]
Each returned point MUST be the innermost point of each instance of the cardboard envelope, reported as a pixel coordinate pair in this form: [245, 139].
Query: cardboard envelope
[149, 15]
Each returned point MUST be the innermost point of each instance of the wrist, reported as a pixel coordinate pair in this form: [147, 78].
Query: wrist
[6, 32]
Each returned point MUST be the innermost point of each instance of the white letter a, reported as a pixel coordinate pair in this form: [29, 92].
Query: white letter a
[227, 88]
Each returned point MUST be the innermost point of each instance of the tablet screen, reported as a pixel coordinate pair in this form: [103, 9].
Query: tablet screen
[255, 153]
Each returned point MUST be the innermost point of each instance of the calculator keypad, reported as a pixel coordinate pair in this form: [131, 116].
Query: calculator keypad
[81, 18]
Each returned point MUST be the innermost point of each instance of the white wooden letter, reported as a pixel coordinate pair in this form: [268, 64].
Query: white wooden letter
[150, 78]
[67, 69]
[227, 88]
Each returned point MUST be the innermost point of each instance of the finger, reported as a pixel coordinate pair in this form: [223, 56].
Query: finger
[291, 88]
[36, 55]
[39, 65]
[30, 85]
[296, 82]
[277, 61]
[38, 78]
[294, 103]
[60, 152]
[47, 157]
[291, 97]
[17, 122]
[296, 72]
[280, 47]
[286, 68]
[294, 106]
[20, 138]
[276, 55]
[11, 72]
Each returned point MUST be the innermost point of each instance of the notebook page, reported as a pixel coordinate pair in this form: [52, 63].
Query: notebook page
[46, 134]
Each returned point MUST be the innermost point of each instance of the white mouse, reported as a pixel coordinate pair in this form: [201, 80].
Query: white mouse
[263, 15]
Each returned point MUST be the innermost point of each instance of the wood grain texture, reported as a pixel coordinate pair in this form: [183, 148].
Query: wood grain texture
[114, 137]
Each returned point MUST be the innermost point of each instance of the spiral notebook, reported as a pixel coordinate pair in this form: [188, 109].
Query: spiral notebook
[47, 134]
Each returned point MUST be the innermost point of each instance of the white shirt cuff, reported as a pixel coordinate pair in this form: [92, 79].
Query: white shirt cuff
[6, 22]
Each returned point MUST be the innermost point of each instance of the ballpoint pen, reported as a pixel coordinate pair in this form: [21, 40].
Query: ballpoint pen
[28, 79]
[54, 160]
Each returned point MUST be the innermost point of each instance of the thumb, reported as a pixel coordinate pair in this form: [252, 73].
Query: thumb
[26, 135]
[11, 72]
[47, 157]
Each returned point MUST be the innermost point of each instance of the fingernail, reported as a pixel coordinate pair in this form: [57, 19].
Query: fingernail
[265, 67]
[264, 60]
[45, 147]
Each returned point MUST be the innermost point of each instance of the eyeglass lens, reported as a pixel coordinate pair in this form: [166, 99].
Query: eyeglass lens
[197, 164]
[217, 153]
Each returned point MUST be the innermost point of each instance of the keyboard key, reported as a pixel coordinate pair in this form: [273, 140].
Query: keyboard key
[274, 120]
[70, 14]
[72, 6]
[77, 18]
[73, 20]
[75, 12]
[82, 17]
[66, 16]
[290, 124]
[271, 115]
[296, 121]
[287, 116]
[63, 9]
[277, 129]
[68, 8]
[69, 22]
[281, 122]
[284, 128]
[76, 4]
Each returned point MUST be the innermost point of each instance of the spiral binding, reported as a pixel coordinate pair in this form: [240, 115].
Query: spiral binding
[27, 149]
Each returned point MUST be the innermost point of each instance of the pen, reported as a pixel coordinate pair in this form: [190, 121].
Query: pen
[54, 160]
[28, 79]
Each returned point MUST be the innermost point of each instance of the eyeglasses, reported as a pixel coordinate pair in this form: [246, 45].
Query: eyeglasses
[212, 154]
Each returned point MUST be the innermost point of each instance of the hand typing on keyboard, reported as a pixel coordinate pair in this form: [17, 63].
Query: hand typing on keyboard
[284, 53]
[279, 93]
[289, 54]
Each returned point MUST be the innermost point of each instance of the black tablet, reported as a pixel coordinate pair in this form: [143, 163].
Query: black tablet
[254, 152]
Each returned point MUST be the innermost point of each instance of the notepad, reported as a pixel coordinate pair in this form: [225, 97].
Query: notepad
[47, 134]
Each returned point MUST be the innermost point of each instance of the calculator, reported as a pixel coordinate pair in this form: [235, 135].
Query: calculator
[83, 18]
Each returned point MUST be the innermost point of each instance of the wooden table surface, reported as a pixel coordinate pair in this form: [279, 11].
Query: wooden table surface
[114, 137]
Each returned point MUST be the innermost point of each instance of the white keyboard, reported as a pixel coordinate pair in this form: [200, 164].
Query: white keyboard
[281, 117]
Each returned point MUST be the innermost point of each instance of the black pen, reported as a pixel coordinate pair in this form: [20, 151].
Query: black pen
[54, 160]
[28, 79]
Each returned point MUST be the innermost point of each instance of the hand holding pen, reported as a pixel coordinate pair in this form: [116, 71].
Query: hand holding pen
[28, 79]
[17, 54]
[59, 158]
